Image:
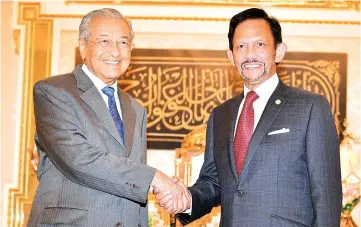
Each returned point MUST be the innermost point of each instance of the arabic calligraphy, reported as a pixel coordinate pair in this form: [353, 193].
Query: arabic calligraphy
[179, 97]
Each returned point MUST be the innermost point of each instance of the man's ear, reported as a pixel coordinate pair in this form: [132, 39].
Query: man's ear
[230, 56]
[280, 52]
[82, 46]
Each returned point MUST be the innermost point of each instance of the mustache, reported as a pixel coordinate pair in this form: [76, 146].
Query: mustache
[248, 61]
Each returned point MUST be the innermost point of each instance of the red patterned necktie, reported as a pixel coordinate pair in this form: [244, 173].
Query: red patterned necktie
[244, 130]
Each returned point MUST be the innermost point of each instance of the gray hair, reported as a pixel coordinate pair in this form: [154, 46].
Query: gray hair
[85, 24]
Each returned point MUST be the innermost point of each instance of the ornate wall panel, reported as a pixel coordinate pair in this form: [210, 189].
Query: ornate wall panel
[36, 66]
[179, 88]
[323, 4]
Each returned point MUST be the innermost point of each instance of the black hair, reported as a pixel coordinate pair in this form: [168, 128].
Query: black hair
[255, 13]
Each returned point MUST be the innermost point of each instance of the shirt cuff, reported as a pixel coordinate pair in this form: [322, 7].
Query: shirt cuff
[189, 211]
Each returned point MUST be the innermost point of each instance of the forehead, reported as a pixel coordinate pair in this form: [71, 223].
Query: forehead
[253, 28]
[109, 27]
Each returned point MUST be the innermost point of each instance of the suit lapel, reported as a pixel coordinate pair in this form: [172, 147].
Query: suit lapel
[94, 100]
[269, 115]
[129, 116]
[230, 127]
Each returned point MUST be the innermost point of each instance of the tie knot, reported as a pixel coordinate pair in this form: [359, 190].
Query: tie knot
[108, 91]
[251, 97]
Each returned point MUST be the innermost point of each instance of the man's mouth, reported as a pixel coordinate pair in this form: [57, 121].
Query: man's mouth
[111, 62]
[251, 65]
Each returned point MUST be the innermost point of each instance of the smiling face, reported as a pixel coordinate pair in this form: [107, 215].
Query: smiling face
[254, 53]
[107, 63]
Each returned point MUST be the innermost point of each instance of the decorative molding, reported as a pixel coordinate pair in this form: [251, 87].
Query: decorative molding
[214, 19]
[180, 18]
[36, 65]
[325, 4]
[16, 39]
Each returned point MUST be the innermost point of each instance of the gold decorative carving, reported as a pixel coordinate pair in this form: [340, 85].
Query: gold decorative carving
[215, 19]
[196, 139]
[194, 145]
[36, 66]
[320, 76]
[30, 13]
[178, 97]
[177, 94]
[181, 18]
[16, 39]
[321, 4]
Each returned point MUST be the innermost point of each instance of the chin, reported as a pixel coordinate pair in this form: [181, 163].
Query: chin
[112, 75]
[253, 78]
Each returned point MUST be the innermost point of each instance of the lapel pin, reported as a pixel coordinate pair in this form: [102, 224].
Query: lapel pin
[278, 101]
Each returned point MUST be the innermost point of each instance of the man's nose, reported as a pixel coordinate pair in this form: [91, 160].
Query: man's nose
[250, 52]
[115, 50]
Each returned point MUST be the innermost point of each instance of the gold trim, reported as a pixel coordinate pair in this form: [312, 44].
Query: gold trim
[37, 63]
[326, 4]
[16, 39]
[165, 134]
[164, 139]
[215, 19]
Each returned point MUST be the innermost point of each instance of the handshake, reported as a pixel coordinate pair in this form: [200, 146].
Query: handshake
[171, 194]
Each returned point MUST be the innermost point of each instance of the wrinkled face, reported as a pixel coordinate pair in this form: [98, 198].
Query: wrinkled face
[254, 54]
[107, 50]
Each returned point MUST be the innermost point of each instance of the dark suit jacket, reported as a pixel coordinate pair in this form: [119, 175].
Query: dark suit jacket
[87, 176]
[288, 179]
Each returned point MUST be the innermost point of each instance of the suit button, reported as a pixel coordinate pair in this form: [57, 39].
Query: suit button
[118, 224]
[240, 192]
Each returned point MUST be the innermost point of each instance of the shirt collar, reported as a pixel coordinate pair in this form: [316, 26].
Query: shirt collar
[265, 89]
[99, 84]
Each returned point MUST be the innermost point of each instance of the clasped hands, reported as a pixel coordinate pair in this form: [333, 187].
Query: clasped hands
[171, 194]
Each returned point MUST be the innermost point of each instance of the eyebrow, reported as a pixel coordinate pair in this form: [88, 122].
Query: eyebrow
[124, 37]
[101, 36]
[252, 39]
[104, 35]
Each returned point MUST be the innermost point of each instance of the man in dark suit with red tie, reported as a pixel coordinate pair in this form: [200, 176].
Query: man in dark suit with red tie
[272, 152]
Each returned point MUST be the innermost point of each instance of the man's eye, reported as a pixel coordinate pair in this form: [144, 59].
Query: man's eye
[123, 43]
[260, 44]
[241, 46]
[105, 42]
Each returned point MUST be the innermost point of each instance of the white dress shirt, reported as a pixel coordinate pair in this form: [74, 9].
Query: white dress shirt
[264, 92]
[99, 84]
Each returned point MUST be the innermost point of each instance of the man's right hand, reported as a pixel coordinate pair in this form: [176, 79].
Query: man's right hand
[172, 202]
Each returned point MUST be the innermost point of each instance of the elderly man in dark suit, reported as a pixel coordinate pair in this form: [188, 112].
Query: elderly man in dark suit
[272, 152]
[91, 137]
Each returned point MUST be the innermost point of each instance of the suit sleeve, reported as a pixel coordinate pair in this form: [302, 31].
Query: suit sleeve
[144, 207]
[205, 192]
[323, 157]
[61, 137]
